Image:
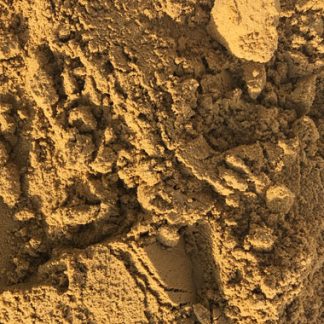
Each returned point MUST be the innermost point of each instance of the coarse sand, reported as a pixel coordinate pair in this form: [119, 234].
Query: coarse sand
[161, 161]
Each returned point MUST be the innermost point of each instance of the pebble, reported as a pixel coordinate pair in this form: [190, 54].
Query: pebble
[255, 77]
[168, 236]
[279, 199]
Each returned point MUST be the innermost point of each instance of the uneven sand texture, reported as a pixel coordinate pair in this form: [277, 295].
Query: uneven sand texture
[148, 174]
[246, 27]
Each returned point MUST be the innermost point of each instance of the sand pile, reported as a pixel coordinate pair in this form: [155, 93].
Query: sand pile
[161, 161]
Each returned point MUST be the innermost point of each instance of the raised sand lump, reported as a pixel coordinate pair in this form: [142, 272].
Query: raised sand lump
[247, 28]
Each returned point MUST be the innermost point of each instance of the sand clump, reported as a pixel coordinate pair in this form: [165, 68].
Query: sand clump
[248, 29]
[161, 162]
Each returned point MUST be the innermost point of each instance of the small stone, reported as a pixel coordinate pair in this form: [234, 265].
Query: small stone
[168, 236]
[255, 78]
[279, 199]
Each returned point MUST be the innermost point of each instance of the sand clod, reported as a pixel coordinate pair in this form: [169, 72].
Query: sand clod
[246, 28]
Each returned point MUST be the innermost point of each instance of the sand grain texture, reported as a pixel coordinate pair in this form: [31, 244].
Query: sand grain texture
[161, 161]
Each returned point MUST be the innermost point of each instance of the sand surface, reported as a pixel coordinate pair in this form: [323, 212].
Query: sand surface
[161, 161]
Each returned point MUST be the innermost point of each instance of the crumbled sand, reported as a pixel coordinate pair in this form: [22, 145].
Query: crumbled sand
[161, 161]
